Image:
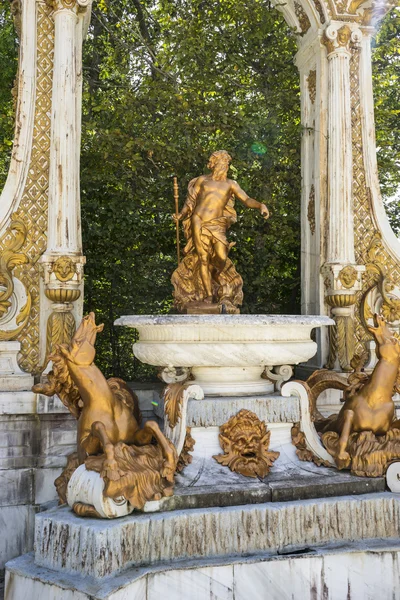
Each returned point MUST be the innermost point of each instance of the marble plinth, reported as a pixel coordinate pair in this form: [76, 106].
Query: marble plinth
[227, 354]
[97, 548]
[367, 570]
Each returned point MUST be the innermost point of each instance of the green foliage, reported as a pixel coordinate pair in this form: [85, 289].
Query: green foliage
[8, 69]
[167, 83]
[386, 75]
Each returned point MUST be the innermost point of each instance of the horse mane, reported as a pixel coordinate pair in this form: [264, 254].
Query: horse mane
[60, 383]
[124, 394]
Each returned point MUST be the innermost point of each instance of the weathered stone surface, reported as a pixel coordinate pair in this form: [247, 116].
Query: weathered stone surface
[57, 439]
[44, 489]
[16, 527]
[16, 487]
[215, 412]
[18, 436]
[93, 547]
[362, 570]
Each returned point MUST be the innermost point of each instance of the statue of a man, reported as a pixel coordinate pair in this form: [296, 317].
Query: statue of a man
[207, 214]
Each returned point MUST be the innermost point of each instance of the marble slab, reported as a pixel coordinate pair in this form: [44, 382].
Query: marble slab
[367, 570]
[99, 548]
[231, 320]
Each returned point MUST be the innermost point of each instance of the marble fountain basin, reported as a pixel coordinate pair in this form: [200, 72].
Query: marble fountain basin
[227, 354]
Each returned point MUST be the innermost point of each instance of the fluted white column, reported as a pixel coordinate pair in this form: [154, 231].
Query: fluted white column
[64, 230]
[63, 260]
[340, 243]
[342, 275]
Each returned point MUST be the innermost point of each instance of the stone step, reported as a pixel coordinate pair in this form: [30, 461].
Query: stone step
[67, 543]
[367, 570]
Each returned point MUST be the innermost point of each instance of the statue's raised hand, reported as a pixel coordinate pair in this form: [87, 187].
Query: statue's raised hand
[177, 217]
[264, 211]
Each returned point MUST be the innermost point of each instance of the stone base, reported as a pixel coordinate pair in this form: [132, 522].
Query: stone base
[367, 570]
[99, 548]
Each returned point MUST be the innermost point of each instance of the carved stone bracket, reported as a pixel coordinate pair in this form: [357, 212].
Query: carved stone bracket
[310, 440]
[279, 375]
[174, 374]
[176, 397]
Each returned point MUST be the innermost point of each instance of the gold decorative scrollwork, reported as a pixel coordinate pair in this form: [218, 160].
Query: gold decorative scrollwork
[302, 16]
[312, 85]
[9, 259]
[185, 458]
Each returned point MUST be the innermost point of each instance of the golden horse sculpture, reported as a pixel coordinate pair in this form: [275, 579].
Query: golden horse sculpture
[365, 436]
[109, 438]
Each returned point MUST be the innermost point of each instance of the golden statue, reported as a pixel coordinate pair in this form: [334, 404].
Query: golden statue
[109, 438]
[206, 279]
[365, 436]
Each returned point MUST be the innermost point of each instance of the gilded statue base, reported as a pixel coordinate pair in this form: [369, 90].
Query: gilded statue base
[369, 454]
[203, 308]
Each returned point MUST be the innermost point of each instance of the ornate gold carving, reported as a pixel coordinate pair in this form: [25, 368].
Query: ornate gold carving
[355, 5]
[344, 35]
[311, 209]
[320, 11]
[312, 86]
[61, 483]
[336, 38]
[60, 330]
[368, 244]
[341, 336]
[341, 300]
[173, 396]
[206, 280]
[185, 457]
[302, 16]
[339, 10]
[245, 442]
[369, 454]
[64, 268]
[10, 258]
[117, 448]
[33, 205]
[368, 407]
[62, 295]
[303, 453]
[348, 276]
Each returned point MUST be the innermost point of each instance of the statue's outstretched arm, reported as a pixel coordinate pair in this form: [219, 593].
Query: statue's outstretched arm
[249, 202]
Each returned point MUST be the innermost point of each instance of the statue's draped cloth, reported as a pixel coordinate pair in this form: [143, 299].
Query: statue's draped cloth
[227, 284]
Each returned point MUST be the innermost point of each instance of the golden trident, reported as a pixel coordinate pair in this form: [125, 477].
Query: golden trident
[176, 198]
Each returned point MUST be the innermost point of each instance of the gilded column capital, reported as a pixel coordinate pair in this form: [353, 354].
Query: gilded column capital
[62, 276]
[342, 279]
[338, 36]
